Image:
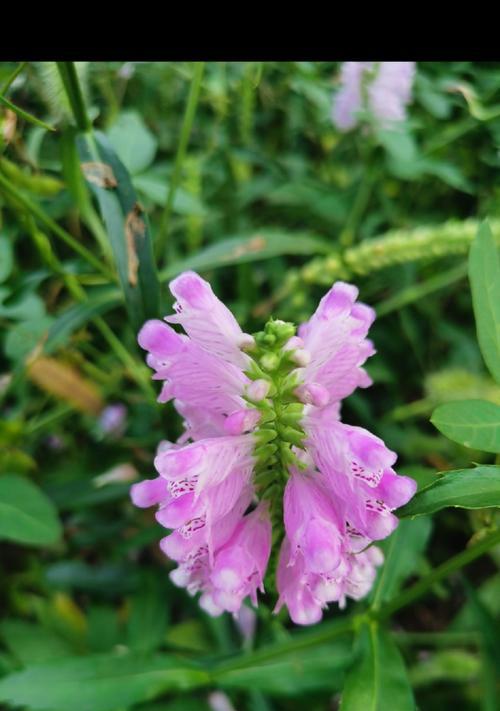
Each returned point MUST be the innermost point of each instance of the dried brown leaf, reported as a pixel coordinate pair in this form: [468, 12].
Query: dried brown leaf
[134, 229]
[65, 382]
[100, 174]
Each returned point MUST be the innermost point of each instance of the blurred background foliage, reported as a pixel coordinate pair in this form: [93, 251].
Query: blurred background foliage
[235, 170]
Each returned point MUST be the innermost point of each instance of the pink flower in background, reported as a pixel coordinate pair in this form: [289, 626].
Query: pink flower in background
[349, 100]
[390, 91]
[382, 88]
[265, 460]
[113, 420]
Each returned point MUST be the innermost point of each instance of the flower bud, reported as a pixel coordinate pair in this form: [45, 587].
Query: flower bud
[258, 390]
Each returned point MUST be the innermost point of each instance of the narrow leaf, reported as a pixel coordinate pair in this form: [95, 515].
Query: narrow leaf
[99, 302]
[473, 423]
[24, 114]
[126, 226]
[265, 244]
[476, 488]
[484, 275]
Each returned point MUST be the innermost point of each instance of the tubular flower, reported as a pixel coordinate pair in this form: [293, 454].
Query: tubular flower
[382, 88]
[265, 462]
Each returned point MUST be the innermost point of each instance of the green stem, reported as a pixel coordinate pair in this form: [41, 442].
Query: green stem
[187, 125]
[14, 75]
[294, 643]
[47, 420]
[330, 630]
[56, 229]
[440, 573]
[359, 206]
[418, 291]
[457, 131]
[69, 77]
[438, 639]
[140, 375]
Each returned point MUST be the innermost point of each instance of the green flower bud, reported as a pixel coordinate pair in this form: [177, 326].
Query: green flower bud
[270, 361]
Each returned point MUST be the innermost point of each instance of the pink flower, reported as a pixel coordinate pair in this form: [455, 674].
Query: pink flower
[383, 88]
[335, 338]
[265, 456]
[112, 420]
[313, 524]
[206, 320]
[348, 100]
[239, 566]
[390, 91]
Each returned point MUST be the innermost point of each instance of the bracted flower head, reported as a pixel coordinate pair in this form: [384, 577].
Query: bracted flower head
[265, 461]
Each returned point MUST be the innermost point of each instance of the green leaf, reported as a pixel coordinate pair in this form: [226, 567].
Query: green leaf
[108, 579]
[477, 488]
[484, 275]
[402, 552]
[6, 258]
[154, 186]
[133, 142]
[27, 306]
[24, 114]
[322, 667]
[378, 681]
[306, 197]
[101, 682]
[103, 631]
[489, 596]
[126, 225]
[264, 244]
[147, 623]
[99, 302]
[23, 337]
[489, 629]
[448, 665]
[31, 643]
[27, 515]
[473, 423]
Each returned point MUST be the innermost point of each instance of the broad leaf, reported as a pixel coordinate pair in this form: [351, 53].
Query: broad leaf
[473, 423]
[378, 680]
[484, 275]
[133, 141]
[101, 682]
[27, 515]
[31, 643]
[322, 667]
[476, 488]
[23, 337]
